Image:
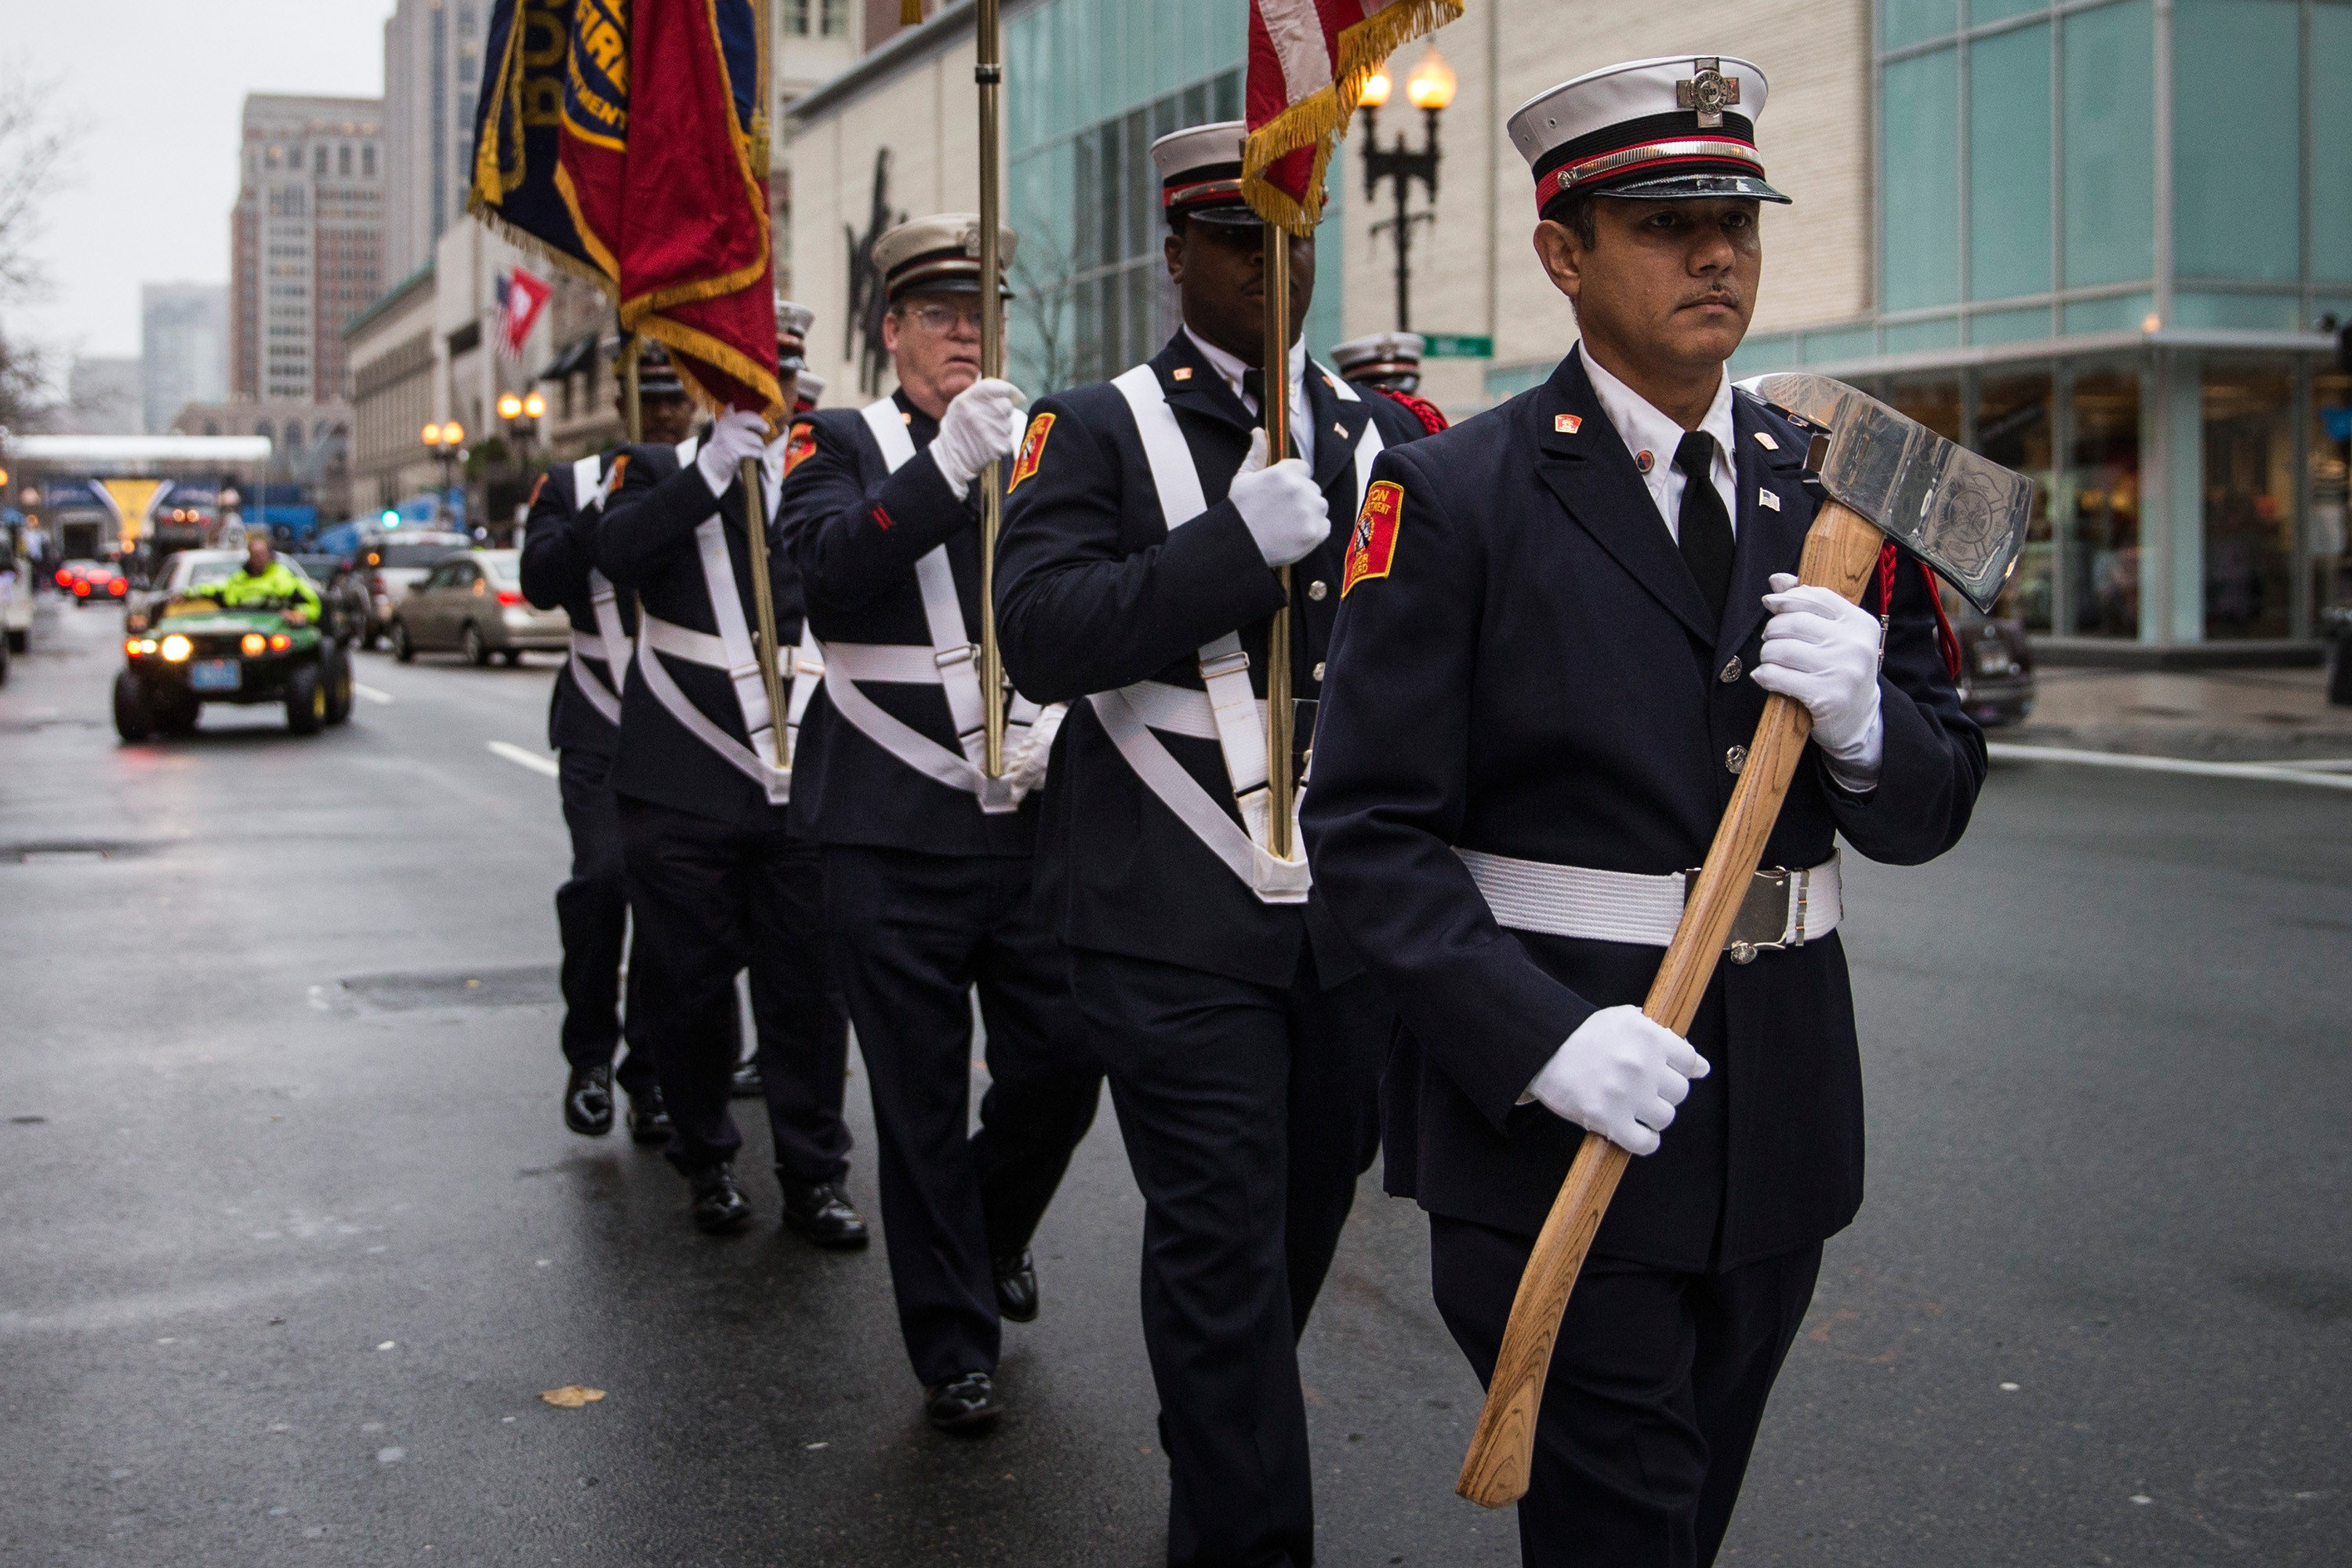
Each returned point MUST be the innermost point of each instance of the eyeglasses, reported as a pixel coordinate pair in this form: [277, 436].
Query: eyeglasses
[942, 319]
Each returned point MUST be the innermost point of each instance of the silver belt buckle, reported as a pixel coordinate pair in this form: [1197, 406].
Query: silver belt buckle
[1763, 917]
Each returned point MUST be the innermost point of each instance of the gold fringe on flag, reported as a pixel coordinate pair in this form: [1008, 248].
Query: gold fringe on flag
[911, 13]
[1321, 120]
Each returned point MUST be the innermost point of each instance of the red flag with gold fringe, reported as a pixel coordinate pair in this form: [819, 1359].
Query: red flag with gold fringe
[693, 251]
[1308, 61]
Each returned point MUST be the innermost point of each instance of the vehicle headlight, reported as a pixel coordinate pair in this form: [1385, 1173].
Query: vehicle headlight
[253, 644]
[177, 648]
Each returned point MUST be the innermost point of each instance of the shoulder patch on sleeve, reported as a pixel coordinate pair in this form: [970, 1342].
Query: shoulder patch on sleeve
[797, 450]
[537, 486]
[620, 466]
[1033, 451]
[1372, 547]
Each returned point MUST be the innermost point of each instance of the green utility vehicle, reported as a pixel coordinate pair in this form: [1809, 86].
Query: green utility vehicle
[196, 651]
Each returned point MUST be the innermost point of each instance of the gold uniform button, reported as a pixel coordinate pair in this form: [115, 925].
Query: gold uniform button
[1729, 672]
[1318, 675]
[1735, 758]
[1317, 589]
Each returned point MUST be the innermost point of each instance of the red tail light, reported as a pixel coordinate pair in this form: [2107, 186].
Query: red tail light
[65, 578]
[509, 596]
[117, 587]
[83, 589]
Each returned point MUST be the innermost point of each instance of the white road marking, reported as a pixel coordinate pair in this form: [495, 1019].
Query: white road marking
[2273, 773]
[362, 689]
[541, 763]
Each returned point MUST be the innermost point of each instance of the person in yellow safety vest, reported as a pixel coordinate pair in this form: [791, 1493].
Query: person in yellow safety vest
[262, 580]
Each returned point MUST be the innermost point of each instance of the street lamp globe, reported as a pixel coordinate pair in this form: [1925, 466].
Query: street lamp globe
[534, 406]
[1376, 88]
[433, 434]
[452, 433]
[1431, 86]
[510, 405]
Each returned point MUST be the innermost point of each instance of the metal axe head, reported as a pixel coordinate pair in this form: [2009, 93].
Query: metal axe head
[1962, 514]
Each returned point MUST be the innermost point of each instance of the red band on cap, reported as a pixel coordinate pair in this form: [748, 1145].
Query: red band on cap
[1646, 156]
[1202, 191]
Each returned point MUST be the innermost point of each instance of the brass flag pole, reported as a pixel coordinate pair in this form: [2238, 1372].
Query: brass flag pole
[755, 507]
[988, 75]
[1274, 412]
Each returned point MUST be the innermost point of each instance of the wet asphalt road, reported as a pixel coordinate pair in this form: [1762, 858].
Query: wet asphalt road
[293, 1236]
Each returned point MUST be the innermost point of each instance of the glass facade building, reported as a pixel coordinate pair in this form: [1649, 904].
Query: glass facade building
[1089, 85]
[2110, 238]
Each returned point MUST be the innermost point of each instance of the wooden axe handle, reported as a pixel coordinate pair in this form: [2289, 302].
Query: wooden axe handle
[1841, 552]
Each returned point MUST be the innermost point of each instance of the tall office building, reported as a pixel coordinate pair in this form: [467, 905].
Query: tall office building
[307, 244]
[182, 349]
[431, 75]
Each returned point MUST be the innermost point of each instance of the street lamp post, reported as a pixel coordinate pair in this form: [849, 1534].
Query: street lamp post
[521, 413]
[1429, 89]
[444, 441]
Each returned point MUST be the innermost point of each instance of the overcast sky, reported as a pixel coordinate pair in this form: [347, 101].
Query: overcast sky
[156, 89]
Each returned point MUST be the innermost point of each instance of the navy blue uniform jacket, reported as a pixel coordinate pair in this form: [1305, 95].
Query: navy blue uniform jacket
[1093, 591]
[559, 548]
[646, 542]
[855, 530]
[1537, 677]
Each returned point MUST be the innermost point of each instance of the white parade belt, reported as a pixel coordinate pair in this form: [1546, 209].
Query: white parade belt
[1783, 908]
[1226, 709]
[587, 646]
[950, 663]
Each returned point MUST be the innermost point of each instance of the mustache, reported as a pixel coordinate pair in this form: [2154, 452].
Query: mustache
[1712, 297]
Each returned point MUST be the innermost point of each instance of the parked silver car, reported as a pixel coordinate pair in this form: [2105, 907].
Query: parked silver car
[472, 603]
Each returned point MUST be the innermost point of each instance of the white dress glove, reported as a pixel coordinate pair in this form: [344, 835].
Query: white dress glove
[1619, 1075]
[1279, 504]
[981, 425]
[737, 436]
[1823, 652]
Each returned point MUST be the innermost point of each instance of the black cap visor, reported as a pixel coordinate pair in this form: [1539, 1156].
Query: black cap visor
[1694, 187]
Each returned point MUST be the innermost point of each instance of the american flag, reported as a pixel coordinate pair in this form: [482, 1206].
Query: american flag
[1308, 61]
[521, 297]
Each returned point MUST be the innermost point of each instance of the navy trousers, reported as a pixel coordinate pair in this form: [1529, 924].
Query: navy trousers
[915, 936]
[712, 901]
[1658, 1383]
[591, 919]
[1248, 1112]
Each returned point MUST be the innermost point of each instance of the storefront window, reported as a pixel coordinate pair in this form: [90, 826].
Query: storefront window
[2236, 149]
[2110, 120]
[2331, 479]
[2103, 534]
[1920, 208]
[2248, 477]
[2013, 429]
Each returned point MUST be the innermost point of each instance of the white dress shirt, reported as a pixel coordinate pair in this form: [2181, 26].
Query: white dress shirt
[1643, 429]
[1302, 418]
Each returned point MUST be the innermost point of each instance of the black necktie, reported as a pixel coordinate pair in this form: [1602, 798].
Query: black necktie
[1254, 386]
[1702, 530]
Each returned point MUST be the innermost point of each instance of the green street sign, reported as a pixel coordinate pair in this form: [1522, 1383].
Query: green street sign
[1459, 345]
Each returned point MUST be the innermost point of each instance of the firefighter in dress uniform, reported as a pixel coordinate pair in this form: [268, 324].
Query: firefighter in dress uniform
[1561, 623]
[583, 725]
[718, 881]
[1388, 361]
[927, 861]
[1143, 528]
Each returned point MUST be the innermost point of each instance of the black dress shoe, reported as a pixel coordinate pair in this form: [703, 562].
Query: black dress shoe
[720, 1207]
[746, 1084]
[588, 1102]
[648, 1118]
[822, 1213]
[966, 1403]
[1016, 1289]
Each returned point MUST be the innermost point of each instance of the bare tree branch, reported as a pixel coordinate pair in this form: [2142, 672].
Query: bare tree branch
[1043, 274]
[34, 148]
